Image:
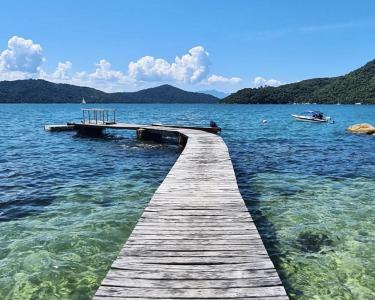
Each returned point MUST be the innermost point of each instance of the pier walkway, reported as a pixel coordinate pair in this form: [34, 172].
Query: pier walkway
[196, 238]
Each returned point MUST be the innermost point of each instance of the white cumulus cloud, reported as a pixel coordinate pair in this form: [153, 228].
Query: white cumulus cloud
[189, 68]
[262, 82]
[221, 79]
[62, 71]
[105, 72]
[23, 59]
[22, 55]
[149, 68]
[103, 77]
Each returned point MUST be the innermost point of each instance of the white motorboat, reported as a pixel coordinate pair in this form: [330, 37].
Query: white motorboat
[312, 116]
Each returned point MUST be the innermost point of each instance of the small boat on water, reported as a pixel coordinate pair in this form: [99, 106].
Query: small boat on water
[83, 101]
[358, 103]
[312, 116]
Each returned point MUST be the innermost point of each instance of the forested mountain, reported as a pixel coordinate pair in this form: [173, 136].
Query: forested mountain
[215, 93]
[41, 91]
[356, 86]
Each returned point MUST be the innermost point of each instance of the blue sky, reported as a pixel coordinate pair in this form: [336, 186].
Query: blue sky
[223, 45]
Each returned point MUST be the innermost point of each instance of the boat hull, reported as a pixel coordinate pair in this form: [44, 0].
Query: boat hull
[309, 119]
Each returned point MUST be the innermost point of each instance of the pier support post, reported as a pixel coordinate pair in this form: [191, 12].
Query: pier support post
[181, 140]
[147, 135]
[90, 131]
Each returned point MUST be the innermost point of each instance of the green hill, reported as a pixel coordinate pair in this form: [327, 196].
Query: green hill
[41, 91]
[356, 86]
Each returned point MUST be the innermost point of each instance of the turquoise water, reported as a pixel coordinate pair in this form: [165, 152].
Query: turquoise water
[67, 204]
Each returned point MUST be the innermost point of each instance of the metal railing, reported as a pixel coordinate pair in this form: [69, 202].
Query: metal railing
[98, 116]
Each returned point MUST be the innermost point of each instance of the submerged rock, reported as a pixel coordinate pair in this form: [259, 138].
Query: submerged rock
[364, 128]
[313, 241]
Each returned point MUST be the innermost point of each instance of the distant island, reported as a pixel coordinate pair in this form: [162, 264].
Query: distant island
[215, 93]
[356, 86]
[42, 91]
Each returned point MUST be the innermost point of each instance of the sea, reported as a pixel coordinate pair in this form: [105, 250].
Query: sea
[68, 203]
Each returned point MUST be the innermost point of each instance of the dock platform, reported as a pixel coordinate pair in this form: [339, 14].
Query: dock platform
[70, 126]
[196, 238]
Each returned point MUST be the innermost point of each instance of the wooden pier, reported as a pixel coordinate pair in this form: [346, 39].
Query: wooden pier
[196, 238]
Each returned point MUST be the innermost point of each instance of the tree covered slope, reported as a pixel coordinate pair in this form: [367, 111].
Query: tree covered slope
[356, 86]
[41, 91]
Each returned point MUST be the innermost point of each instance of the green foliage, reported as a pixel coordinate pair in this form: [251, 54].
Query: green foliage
[356, 86]
[41, 91]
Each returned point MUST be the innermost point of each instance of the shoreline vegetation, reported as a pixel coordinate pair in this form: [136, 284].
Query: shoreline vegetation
[42, 91]
[356, 87]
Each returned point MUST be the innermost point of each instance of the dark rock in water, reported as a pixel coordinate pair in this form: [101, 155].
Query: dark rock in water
[313, 241]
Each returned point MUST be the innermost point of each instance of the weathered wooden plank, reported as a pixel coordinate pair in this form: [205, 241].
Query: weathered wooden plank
[194, 236]
[189, 274]
[192, 253]
[131, 265]
[212, 242]
[121, 281]
[191, 260]
[193, 227]
[195, 247]
[196, 212]
[189, 243]
[221, 219]
[196, 225]
[193, 205]
[107, 297]
[192, 231]
[206, 293]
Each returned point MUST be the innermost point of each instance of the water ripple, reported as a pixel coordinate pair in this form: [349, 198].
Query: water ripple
[68, 203]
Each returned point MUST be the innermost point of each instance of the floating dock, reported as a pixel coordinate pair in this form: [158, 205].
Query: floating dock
[58, 127]
[99, 127]
[196, 238]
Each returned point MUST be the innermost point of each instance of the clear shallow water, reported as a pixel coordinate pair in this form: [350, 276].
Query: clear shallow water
[67, 204]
